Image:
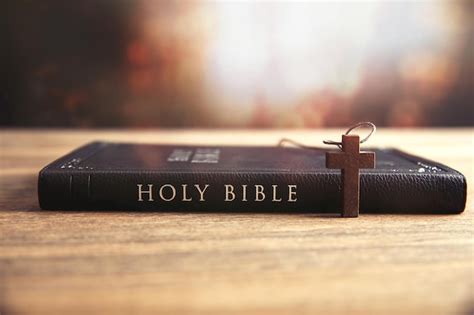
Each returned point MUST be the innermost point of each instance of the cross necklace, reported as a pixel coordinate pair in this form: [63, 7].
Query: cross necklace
[350, 161]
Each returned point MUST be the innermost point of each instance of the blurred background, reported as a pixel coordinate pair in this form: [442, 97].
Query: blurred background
[236, 64]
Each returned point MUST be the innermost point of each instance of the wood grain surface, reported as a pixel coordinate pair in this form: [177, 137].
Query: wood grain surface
[181, 263]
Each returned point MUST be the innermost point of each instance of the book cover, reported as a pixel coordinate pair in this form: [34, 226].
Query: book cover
[125, 176]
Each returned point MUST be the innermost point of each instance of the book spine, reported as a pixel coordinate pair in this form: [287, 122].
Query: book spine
[252, 192]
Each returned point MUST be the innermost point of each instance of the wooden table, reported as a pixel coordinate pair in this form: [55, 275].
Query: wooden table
[171, 263]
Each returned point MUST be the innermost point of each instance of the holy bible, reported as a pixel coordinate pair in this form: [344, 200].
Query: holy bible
[125, 176]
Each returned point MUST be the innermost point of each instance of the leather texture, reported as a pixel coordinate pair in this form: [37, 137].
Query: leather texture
[104, 176]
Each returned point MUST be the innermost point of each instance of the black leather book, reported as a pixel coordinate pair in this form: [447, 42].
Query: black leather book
[121, 176]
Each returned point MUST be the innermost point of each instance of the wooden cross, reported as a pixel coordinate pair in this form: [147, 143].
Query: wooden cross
[350, 161]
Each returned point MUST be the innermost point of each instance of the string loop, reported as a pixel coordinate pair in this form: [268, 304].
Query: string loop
[331, 142]
[353, 127]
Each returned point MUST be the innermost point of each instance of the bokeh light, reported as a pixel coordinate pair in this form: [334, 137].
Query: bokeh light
[238, 64]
